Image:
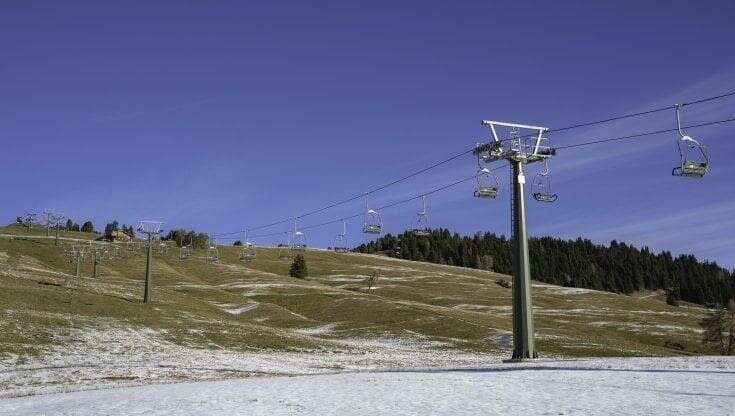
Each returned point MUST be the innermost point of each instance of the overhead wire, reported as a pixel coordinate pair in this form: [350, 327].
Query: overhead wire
[474, 176]
[468, 151]
[649, 133]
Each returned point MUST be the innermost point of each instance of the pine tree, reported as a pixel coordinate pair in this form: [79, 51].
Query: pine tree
[87, 227]
[671, 297]
[298, 267]
[110, 227]
[619, 267]
[714, 325]
[731, 318]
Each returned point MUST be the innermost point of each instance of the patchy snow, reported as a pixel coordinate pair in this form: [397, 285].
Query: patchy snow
[577, 311]
[504, 339]
[648, 327]
[318, 330]
[386, 268]
[237, 310]
[563, 290]
[353, 278]
[499, 310]
[646, 386]
[109, 354]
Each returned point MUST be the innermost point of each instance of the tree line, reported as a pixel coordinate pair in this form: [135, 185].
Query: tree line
[86, 227]
[189, 238]
[115, 226]
[618, 267]
[719, 329]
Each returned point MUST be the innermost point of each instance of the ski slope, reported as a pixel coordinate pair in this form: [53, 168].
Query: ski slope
[630, 386]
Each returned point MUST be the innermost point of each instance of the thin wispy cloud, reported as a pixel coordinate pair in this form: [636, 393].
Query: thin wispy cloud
[574, 161]
[120, 116]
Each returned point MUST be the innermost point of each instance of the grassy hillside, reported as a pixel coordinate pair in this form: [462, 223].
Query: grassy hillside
[254, 306]
[20, 231]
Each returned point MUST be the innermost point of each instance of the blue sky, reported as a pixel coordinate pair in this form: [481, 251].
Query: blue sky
[220, 115]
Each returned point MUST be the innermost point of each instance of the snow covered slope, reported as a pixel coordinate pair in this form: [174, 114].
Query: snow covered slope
[619, 386]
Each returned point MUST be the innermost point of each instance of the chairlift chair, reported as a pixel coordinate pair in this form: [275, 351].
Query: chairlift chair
[247, 251]
[542, 186]
[421, 227]
[340, 245]
[373, 222]
[487, 184]
[250, 251]
[421, 232]
[284, 249]
[184, 253]
[340, 241]
[212, 255]
[186, 249]
[162, 248]
[212, 252]
[298, 241]
[694, 156]
[284, 253]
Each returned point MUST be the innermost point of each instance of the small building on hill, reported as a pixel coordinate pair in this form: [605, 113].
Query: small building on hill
[118, 236]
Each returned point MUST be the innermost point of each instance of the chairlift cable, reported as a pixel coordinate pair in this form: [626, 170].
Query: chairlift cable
[474, 176]
[458, 155]
[648, 133]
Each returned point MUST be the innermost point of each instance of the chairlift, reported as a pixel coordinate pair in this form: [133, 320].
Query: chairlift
[247, 251]
[421, 227]
[373, 222]
[212, 255]
[185, 249]
[212, 252]
[487, 184]
[162, 248]
[284, 249]
[340, 241]
[184, 252]
[542, 186]
[298, 242]
[694, 156]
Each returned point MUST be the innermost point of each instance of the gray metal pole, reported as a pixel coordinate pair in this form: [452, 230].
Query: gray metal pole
[148, 265]
[79, 264]
[523, 335]
[95, 261]
[56, 240]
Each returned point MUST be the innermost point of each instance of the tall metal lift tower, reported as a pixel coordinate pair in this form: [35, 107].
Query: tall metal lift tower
[150, 229]
[525, 144]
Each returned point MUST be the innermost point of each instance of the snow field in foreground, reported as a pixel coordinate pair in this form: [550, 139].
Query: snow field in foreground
[645, 386]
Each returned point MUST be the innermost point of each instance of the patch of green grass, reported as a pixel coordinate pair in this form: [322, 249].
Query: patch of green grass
[256, 305]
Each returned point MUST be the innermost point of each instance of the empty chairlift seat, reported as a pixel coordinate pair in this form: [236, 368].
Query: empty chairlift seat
[373, 223]
[486, 185]
[421, 227]
[693, 156]
[542, 186]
